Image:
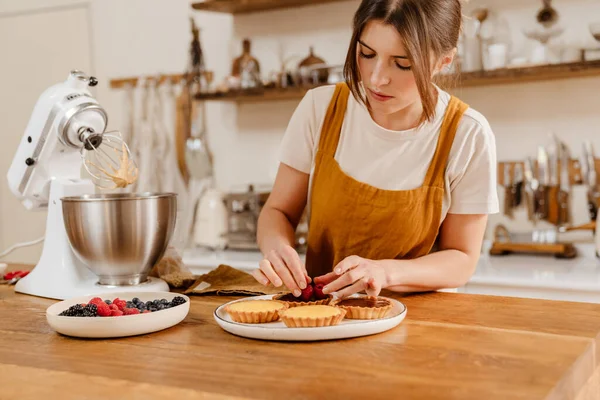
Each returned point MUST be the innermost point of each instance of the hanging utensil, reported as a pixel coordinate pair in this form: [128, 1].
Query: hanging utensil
[531, 187]
[541, 195]
[593, 193]
[508, 193]
[564, 212]
[517, 187]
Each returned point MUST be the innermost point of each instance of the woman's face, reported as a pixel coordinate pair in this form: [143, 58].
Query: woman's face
[385, 71]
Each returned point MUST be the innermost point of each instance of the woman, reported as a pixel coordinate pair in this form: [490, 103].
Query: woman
[388, 164]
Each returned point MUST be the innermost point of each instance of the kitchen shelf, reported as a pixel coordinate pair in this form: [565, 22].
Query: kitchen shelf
[250, 6]
[468, 79]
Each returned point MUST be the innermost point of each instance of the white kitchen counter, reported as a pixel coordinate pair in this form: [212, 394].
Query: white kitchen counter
[542, 277]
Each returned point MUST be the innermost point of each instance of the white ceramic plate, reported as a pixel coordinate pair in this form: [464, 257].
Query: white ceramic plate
[112, 327]
[348, 328]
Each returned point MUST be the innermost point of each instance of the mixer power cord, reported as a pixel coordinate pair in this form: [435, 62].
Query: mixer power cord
[19, 245]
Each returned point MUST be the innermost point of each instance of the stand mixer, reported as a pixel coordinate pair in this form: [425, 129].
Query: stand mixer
[93, 243]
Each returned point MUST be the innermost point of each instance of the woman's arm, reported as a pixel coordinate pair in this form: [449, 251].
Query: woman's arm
[461, 236]
[276, 231]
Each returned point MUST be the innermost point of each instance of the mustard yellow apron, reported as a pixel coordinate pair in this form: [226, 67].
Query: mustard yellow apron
[348, 217]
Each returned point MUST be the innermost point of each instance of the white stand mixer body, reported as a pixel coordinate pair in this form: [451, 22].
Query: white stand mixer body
[47, 167]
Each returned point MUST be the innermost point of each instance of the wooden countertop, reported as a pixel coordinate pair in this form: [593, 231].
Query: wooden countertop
[450, 346]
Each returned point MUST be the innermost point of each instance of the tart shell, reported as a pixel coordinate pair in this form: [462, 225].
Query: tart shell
[312, 322]
[256, 317]
[359, 312]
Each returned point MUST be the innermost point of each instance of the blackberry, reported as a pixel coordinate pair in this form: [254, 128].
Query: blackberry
[177, 301]
[73, 311]
[91, 310]
[108, 302]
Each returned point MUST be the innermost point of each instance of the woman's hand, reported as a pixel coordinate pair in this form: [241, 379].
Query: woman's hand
[352, 275]
[282, 266]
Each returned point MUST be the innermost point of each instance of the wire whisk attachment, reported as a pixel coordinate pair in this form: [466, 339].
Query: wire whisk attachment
[107, 158]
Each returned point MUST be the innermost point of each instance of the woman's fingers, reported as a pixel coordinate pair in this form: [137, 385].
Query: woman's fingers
[261, 277]
[347, 279]
[284, 273]
[358, 286]
[326, 279]
[373, 288]
[297, 269]
[346, 264]
[267, 270]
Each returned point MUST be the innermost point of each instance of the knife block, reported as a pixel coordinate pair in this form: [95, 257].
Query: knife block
[503, 245]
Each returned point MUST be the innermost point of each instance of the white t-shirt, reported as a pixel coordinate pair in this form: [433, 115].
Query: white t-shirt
[399, 160]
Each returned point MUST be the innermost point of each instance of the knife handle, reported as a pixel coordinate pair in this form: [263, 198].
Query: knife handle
[541, 202]
[508, 201]
[564, 212]
[552, 205]
[517, 194]
[530, 202]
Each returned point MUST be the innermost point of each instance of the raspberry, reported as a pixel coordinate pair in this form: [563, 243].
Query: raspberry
[122, 304]
[114, 307]
[103, 309]
[96, 301]
[307, 293]
[116, 313]
[130, 311]
[319, 295]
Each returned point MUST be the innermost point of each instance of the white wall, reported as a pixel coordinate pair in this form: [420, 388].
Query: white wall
[140, 37]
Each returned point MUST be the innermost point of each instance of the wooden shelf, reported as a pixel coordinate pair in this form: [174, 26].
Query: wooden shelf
[250, 6]
[530, 74]
[469, 79]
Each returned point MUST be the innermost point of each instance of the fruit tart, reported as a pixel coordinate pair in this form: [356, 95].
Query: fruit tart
[364, 307]
[312, 316]
[310, 296]
[255, 311]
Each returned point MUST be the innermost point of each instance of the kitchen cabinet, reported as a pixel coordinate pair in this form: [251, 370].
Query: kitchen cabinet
[450, 346]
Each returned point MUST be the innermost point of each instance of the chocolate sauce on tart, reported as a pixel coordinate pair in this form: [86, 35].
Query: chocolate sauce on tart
[364, 302]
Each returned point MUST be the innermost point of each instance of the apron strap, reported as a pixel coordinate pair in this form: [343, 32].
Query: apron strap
[437, 168]
[334, 118]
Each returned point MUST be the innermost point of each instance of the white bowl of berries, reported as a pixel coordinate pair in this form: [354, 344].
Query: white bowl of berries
[118, 314]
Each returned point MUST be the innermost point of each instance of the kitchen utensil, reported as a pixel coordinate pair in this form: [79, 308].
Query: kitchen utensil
[517, 187]
[531, 187]
[540, 241]
[547, 15]
[508, 193]
[541, 195]
[211, 220]
[46, 167]
[564, 213]
[590, 226]
[120, 237]
[552, 189]
[593, 194]
[114, 327]
[108, 160]
[347, 328]
[198, 157]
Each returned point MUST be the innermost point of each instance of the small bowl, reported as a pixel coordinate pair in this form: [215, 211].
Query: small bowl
[112, 327]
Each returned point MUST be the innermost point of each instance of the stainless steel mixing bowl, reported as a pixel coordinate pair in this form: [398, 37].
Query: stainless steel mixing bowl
[120, 237]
